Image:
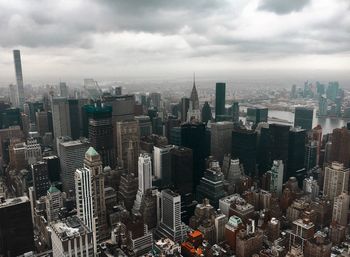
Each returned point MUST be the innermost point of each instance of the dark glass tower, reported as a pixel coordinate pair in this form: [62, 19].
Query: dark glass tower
[194, 136]
[101, 132]
[296, 153]
[235, 112]
[303, 117]
[182, 169]
[206, 112]
[244, 147]
[220, 99]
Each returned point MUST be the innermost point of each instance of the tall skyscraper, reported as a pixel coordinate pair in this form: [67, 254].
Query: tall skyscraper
[170, 225]
[257, 115]
[341, 209]
[60, 117]
[93, 163]
[244, 147]
[194, 96]
[162, 163]
[220, 94]
[127, 132]
[341, 146]
[303, 117]
[296, 152]
[144, 179]
[71, 158]
[276, 177]
[336, 180]
[41, 182]
[101, 132]
[63, 89]
[16, 227]
[19, 78]
[311, 155]
[235, 112]
[184, 105]
[182, 169]
[221, 137]
[206, 113]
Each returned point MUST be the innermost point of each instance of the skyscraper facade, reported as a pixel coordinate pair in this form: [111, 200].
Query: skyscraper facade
[303, 117]
[221, 137]
[341, 146]
[336, 180]
[19, 78]
[220, 94]
[162, 163]
[60, 117]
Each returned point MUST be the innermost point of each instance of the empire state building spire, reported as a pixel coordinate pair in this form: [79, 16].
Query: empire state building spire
[194, 95]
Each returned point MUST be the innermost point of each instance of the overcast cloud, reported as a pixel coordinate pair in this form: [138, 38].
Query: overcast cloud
[123, 38]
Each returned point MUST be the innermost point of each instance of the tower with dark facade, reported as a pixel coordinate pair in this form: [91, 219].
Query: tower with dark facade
[101, 132]
[303, 117]
[296, 153]
[220, 94]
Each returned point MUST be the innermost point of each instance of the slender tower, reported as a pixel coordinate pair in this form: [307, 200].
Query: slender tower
[19, 78]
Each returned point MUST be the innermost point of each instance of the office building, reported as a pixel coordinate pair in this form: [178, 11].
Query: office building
[296, 152]
[244, 147]
[53, 167]
[211, 186]
[155, 97]
[19, 78]
[42, 122]
[221, 137]
[74, 118]
[311, 155]
[257, 115]
[276, 177]
[170, 225]
[232, 227]
[144, 180]
[63, 89]
[11, 117]
[41, 182]
[341, 146]
[310, 186]
[60, 117]
[32, 151]
[128, 189]
[319, 246]
[145, 125]
[54, 203]
[235, 112]
[184, 105]
[70, 237]
[71, 155]
[336, 180]
[17, 234]
[194, 96]
[249, 241]
[182, 169]
[341, 209]
[101, 132]
[162, 163]
[206, 113]
[303, 117]
[220, 98]
[127, 133]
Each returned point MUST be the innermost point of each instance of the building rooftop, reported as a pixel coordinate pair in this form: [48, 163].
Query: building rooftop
[69, 228]
[91, 152]
[13, 201]
[74, 142]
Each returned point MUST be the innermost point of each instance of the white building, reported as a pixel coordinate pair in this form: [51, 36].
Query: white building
[336, 180]
[162, 163]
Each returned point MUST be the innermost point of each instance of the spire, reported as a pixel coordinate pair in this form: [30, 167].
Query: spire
[194, 95]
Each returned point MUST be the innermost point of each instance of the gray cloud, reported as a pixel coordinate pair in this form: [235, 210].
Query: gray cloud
[283, 7]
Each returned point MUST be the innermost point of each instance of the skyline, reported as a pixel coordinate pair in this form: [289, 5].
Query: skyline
[213, 38]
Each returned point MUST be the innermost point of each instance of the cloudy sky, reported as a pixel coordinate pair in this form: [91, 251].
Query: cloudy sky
[126, 38]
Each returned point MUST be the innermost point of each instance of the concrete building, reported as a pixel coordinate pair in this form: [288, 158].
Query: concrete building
[276, 177]
[170, 225]
[71, 155]
[41, 182]
[60, 117]
[127, 131]
[32, 151]
[71, 238]
[341, 209]
[221, 137]
[162, 163]
[336, 180]
[19, 78]
[53, 202]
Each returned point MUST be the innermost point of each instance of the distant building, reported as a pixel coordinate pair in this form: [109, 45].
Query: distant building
[257, 115]
[41, 182]
[340, 150]
[221, 137]
[60, 117]
[19, 78]
[220, 99]
[303, 117]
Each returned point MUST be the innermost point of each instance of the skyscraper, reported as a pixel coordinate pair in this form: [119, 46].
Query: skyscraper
[311, 155]
[221, 137]
[340, 150]
[341, 209]
[182, 169]
[185, 104]
[60, 117]
[63, 89]
[53, 202]
[235, 112]
[101, 132]
[336, 180]
[220, 94]
[257, 115]
[144, 179]
[170, 225]
[19, 78]
[71, 158]
[41, 181]
[16, 227]
[162, 163]
[127, 132]
[296, 152]
[303, 117]
[276, 177]
[206, 113]
[194, 96]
